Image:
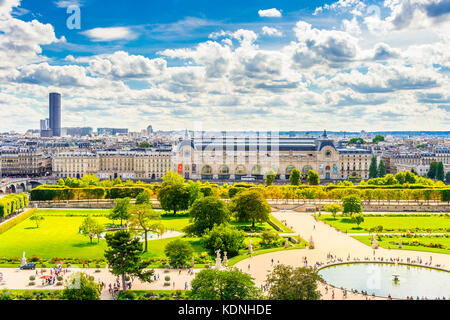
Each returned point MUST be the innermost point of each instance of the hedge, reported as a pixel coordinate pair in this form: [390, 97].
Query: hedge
[15, 221]
[50, 192]
[12, 202]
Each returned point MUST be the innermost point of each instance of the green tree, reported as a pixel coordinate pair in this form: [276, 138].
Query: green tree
[410, 177]
[90, 180]
[36, 218]
[120, 211]
[144, 218]
[211, 284]
[356, 140]
[333, 208]
[144, 145]
[225, 238]
[179, 252]
[377, 139]
[351, 204]
[269, 238]
[447, 177]
[123, 255]
[313, 178]
[440, 171]
[288, 283]
[251, 206]
[207, 212]
[295, 177]
[373, 169]
[91, 228]
[381, 169]
[270, 177]
[80, 286]
[400, 177]
[358, 219]
[173, 194]
[433, 170]
[143, 198]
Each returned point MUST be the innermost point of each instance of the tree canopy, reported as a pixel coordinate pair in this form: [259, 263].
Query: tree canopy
[251, 206]
[207, 212]
[211, 284]
[288, 283]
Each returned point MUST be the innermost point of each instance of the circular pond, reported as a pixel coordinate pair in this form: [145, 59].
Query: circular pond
[399, 281]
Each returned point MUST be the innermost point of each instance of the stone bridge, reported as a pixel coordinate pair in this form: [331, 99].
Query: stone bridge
[18, 185]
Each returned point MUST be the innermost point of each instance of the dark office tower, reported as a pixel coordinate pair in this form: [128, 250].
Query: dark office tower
[55, 113]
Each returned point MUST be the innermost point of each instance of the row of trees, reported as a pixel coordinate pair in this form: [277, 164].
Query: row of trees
[436, 171]
[295, 177]
[12, 203]
[176, 195]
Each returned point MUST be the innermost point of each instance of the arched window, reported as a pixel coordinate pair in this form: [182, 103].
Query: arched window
[240, 170]
[328, 153]
[289, 169]
[224, 170]
[327, 168]
[256, 170]
[206, 170]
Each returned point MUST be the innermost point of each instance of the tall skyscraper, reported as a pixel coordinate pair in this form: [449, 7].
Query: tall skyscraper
[55, 113]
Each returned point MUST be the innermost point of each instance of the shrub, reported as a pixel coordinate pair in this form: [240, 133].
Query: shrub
[179, 252]
[225, 238]
[167, 278]
[32, 278]
[269, 238]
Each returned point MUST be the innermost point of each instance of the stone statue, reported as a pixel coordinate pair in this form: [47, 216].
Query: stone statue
[400, 243]
[23, 260]
[192, 262]
[286, 243]
[218, 260]
[225, 258]
[250, 247]
[218, 254]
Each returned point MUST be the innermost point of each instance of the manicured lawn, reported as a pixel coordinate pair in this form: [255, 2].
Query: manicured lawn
[391, 223]
[419, 243]
[57, 236]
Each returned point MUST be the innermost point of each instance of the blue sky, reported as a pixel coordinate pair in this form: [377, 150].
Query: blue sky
[261, 65]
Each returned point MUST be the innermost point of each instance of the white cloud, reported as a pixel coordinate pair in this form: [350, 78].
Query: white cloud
[121, 65]
[68, 3]
[110, 34]
[271, 31]
[354, 6]
[271, 13]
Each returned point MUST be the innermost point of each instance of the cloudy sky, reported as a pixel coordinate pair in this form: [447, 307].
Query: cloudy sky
[255, 65]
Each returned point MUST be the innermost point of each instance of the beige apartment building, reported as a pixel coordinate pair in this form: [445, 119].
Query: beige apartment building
[22, 161]
[149, 164]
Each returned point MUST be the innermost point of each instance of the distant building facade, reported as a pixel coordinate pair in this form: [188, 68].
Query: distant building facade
[232, 158]
[111, 131]
[149, 164]
[22, 162]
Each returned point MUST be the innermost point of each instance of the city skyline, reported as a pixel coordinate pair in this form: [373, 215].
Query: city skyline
[346, 66]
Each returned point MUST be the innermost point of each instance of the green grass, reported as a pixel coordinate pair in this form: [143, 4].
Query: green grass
[391, 223]
[58, 237]
[392, 243]
[243, 254]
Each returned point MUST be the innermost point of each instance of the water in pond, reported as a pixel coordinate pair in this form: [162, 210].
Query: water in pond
[378, 278]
